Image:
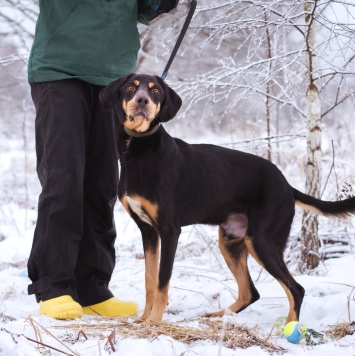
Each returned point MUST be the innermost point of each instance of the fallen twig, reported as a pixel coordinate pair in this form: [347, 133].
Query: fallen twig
[35, 341]
[50, 347]
[340, 330]
[31, 320]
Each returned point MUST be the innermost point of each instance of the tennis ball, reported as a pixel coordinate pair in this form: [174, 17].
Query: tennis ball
[292, 332]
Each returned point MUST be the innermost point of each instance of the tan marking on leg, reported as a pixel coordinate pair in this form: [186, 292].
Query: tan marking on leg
[240, 272]
[250, 247]
[151, 281]
[292, 315]
[160, 303]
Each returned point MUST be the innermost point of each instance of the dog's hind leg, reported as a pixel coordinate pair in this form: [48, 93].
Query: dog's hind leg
[235, 254]
[266, 244]
[276, 266]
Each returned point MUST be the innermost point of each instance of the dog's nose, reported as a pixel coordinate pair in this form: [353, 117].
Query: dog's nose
[142, 100]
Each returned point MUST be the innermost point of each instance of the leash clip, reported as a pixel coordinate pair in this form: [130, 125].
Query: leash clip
[193, 4]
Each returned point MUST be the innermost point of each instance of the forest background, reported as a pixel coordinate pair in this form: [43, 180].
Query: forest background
[275, 78]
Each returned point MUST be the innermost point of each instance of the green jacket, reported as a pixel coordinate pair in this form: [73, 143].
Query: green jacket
[93, 40]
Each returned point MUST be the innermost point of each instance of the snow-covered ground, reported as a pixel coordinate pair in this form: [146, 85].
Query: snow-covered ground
[201, 282]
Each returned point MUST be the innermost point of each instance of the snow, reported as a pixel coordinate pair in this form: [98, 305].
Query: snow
[201, 282]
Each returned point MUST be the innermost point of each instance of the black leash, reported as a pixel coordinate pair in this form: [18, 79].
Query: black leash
[193, 4]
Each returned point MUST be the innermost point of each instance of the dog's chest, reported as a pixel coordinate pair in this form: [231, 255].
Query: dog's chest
[144, 209]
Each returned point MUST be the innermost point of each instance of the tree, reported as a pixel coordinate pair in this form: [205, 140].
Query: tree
[309, 232]
[17, 23]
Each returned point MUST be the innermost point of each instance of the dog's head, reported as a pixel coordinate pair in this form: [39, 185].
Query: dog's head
[141, 99]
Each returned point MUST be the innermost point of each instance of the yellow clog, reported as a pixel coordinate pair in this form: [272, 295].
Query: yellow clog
[112, 308]
[62, 308]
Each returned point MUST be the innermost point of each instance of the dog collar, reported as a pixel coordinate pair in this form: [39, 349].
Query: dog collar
[141, 134]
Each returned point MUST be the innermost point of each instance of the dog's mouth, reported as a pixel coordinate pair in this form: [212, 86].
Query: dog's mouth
[138, 121]
[139, 115]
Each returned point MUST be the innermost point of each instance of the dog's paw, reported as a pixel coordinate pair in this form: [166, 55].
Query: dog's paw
[215, 314]
[138, 320]
[219, 313]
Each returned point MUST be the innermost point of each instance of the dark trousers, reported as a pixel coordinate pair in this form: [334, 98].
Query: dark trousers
[77, 164]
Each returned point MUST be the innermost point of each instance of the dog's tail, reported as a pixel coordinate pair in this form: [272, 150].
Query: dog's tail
[340, 209]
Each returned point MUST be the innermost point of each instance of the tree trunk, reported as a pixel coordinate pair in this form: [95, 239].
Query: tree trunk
[268, 85]
[309, 231]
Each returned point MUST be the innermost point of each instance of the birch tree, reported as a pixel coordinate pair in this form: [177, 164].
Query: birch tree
[309, 232]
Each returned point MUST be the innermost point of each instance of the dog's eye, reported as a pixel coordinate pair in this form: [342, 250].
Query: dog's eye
[155, 90]
[131, 87]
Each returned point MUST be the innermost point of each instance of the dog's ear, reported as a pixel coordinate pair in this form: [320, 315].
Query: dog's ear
[110, 95]
[171, 104]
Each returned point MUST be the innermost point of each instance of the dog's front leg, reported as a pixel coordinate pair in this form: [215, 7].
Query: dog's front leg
[151, 254]
[169, 239]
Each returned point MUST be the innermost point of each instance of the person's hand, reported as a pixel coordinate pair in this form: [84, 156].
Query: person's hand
[164, 7]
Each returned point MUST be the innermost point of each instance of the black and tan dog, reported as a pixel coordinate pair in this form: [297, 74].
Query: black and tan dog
[167, 183]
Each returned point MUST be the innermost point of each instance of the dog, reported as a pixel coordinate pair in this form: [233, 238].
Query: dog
[166, 184]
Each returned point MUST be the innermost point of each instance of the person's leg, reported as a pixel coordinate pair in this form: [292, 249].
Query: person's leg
[96, 259]
[62, 127]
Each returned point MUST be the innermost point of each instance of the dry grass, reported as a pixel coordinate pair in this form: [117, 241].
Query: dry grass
[230, 335]
[341, 330]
